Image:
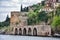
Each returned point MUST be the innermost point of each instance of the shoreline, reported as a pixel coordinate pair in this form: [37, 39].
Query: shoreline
[32, 35]
[7, 33]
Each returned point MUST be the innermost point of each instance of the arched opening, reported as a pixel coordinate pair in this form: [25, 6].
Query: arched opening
[29, 31]
[16, 31]
[35, 32]
[20, 31]
[24, 31]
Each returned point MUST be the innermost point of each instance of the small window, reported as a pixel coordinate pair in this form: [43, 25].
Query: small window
[56, 0]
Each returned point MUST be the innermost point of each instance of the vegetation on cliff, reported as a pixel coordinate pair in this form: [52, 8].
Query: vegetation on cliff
[56, 20]
[37, 17]
[56, 24]
[6, 23]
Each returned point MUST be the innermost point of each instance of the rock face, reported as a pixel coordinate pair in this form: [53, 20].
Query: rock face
[18, 22]
[18, 18]
[33, 30]
[14, 17]
[2, 31]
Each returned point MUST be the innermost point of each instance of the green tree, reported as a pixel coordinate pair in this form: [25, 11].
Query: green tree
[43, 16]
[6, 22]
[56, 24]
[36, 18]
[32, 17]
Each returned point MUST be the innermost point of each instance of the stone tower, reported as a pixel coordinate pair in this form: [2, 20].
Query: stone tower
[21, 8]
[25, 9]
[14, 20]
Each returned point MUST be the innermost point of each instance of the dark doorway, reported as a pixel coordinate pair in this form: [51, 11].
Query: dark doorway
[16, 31]
[57, 1]
[24, 31]
[20, 31]
[35, 32]
[29, 31]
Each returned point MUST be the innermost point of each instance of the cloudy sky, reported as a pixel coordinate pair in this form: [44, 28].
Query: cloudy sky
[6, 6]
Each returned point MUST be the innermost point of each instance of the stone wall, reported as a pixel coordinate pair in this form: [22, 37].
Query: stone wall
[44, 30]
[14, 18]
[18, 22]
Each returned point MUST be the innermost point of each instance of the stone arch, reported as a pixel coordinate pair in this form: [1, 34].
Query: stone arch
[35, 32]
[29, 31]
[24, 31]
[16, 31]
[20, 31]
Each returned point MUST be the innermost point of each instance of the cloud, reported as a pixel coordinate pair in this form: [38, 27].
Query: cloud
[9, 9]
[2, 17]
[16, 1]
[9, 6]
[8, 3]
[5, 0]
[31, 1]
[6, 6]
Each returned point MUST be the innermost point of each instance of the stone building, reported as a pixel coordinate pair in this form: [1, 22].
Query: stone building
[18, 23]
